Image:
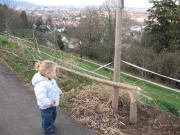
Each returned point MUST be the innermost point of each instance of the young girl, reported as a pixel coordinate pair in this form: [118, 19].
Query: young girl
[47, 94]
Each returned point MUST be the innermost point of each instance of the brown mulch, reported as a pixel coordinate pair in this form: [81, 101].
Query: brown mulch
[92, 108]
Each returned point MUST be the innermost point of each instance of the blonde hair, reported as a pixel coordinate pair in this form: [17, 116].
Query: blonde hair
[45, 66]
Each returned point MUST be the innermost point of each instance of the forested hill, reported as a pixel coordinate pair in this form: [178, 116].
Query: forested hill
[18, 3]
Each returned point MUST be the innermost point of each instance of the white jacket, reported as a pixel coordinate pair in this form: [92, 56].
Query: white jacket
[46, 91]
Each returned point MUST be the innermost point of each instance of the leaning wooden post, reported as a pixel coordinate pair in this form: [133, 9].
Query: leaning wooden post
[117, 56]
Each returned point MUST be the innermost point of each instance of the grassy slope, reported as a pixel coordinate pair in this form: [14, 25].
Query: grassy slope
[163, 98]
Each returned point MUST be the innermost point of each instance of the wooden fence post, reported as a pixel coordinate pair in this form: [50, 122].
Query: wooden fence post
[36, 43]
[133, 108]
[117, 56]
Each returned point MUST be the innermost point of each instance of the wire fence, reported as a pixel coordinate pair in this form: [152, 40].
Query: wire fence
[105, 66]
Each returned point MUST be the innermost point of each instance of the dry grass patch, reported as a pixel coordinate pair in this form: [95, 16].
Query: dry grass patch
[92, 107]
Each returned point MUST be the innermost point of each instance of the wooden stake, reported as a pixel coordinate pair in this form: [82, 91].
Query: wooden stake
[133, 108]
[117, 57]
[36, 43]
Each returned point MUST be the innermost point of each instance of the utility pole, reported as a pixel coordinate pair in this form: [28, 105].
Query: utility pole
[117, 56]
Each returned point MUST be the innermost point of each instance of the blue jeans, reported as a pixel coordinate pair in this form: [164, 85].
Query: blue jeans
[48, 118]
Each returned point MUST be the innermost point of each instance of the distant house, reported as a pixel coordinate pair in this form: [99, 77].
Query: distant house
[78, 19]
[73, 43]
[135, 29]
[126, 45]
[140, 20]
[75, 24]
[61, 30]
[143, 28]
[64, 39]
[43, 26]
[34, 26]
[48, 27]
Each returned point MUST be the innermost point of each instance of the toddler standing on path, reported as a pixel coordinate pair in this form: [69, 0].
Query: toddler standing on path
[47, 94]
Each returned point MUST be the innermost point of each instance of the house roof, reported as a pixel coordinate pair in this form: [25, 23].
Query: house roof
[74, 41]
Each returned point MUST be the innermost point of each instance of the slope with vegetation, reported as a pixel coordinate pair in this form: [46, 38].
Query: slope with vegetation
[163, 98]
[98, 113]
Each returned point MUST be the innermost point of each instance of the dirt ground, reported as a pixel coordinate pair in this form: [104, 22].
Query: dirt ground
[92, 108]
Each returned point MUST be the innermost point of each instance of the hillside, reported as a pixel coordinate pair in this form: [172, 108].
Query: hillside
[20, 56]
[18, 3]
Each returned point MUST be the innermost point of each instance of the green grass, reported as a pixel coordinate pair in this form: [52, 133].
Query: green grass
[26, 70]
[162, 98]
[87, 65]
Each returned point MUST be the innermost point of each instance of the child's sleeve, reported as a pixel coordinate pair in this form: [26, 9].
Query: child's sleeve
[57, 87]
[41, 95]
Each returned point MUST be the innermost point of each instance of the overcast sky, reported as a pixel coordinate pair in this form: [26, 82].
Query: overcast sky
[128, 3]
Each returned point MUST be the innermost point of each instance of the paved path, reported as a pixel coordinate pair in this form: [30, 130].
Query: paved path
[19, 114]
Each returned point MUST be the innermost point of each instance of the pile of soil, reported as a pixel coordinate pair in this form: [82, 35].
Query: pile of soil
[92, 108]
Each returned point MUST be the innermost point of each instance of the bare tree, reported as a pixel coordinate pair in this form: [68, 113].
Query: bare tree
[9, 3]
[90, 33]
[97, 32]
[10, 20]
[2, 16]
[109, 8]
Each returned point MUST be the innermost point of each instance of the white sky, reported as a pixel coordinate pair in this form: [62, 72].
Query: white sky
[128, 3]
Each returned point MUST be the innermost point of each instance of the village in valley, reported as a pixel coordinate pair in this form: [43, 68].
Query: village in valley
[63, 17]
